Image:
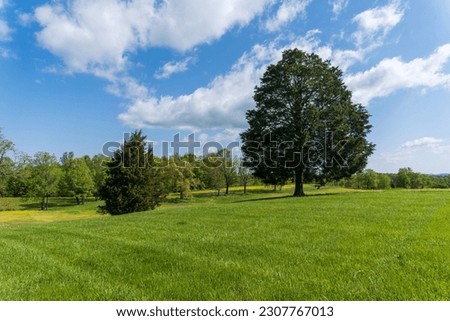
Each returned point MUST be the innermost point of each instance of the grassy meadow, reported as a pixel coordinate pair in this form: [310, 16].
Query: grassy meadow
[335, 244]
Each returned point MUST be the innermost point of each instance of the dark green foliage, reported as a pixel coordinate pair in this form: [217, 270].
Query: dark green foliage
[407, 178]
[440, 181]
[305, 124]
[132, 184]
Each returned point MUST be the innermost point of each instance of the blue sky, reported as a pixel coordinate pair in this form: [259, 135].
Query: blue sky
[76, 74]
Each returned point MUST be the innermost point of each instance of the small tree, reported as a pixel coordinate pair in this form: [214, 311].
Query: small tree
[45, 175]
[132, 184]
[404, 177]
[244, 174]
[178, 176]
[227, 167]
[97, 165]
[6, 163]
[213, 172]
[77, 179]
[19, 181]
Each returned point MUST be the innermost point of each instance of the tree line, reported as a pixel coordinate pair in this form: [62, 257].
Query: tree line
[43, 175]
[404, 178]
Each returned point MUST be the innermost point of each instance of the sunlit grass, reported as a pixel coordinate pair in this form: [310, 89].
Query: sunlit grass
[332, 245]
[27, 211]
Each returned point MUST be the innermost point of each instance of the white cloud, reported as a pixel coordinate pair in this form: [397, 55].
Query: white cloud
[127, 87]
[347, 58]
[375, 24]
[224, 101]
[183, 24]
[5, 53]
[92, 36]
[338, 6]
[392, 74]
[218, 105]
[422, 142]
[97, 35]
[288, 11]
[25, 19]
[5, 31]
[225, 137]
[426, 154]
[173, 67]
[432, 144]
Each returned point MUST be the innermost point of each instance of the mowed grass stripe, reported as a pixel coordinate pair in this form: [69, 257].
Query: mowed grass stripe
[347, 246]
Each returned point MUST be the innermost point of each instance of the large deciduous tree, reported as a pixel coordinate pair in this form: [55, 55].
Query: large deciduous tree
[305, 124]
[132, 183]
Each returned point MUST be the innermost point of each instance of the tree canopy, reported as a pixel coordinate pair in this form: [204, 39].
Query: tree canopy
[132, 184]
[305, 124]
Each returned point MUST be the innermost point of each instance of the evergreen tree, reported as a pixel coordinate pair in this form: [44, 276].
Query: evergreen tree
[132, 183]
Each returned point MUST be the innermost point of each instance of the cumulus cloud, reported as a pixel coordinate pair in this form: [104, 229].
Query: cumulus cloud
[393, 74]
[92, 36]
[127, 87]
[418, 154]
[338, 6]
[5, 31]
[374, 24]
[422, 142]
[218, 105]
[97, 35]
[288, 11]
[224, 101]
[183, 24]
[173, 67]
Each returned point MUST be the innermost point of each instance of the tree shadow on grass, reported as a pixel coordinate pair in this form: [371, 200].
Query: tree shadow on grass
[283, 197]
[53, 203]
[264, 199]
[240, 192]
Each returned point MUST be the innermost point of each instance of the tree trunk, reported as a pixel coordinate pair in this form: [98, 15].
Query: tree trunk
[299, 183]
[227, 188]
[245, 188]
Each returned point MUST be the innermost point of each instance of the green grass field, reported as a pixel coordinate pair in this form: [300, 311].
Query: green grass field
[335, 244]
